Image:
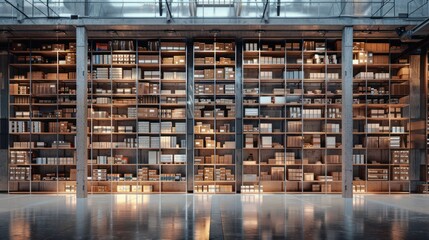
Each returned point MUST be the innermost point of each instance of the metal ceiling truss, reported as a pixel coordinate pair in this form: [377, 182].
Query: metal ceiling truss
[265, 13]
[415, 5]
[381, 11]
[169, 15]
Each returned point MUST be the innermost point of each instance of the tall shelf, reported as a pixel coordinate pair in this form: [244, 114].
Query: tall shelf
[381, 115]
[42, 120]
[137, 116]
[214, 116]
[291, 116]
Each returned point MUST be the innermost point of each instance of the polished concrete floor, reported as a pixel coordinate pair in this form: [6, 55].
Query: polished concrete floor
[180, 216]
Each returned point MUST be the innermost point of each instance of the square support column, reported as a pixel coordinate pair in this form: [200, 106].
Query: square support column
[82, 111]
[347, 112]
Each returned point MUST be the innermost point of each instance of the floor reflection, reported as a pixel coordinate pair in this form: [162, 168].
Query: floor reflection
[187, 216]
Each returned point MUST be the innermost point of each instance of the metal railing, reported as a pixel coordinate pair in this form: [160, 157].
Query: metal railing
[211, 8]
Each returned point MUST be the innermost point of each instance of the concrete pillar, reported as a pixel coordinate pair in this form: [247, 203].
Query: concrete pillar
[417, 114]
[347, 112]
[82, 111]
[190, 115]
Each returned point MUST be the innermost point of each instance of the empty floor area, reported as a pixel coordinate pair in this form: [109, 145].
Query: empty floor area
[229, 216]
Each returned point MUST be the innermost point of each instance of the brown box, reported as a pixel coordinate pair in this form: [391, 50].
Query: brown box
[199, 46]
[220, 113]
[210, 143]
[199, 60]
[380, 59]
[338, 45]
[37, 177]
[208, 73]
[229, 46]
[208, 89]
[72, 46]
[147, 113]
[63, 76]
[208, 114]
[199, 143]
[179, 60]
[208, 47]
[209, 60]
[73, 173]
[220, 89]
[58, 47]
[168, 60]
[327, 188]
[315, 188]
[220, 46]
[51, 76]
[220, 73]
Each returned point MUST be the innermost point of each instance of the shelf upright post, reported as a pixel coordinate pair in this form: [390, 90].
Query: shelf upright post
[347, 112]
[390, 121]
[30, 131]
[284, 117]
[365, 140]
[57, 129]
[215, 138]
[82, 105]
[324, 89]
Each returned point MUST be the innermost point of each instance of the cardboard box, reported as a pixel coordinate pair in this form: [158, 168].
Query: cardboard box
[199, 143]
[208, 73]
[179, 60]
[220, 74]
[168, 60]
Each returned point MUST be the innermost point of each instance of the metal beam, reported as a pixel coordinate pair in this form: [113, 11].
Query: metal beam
[193, 8]
[337, 21]
[278, 7]
[237, 7]
[17, 9]
[81, 111]
[347, 112]
[265, 16]
[169, 16]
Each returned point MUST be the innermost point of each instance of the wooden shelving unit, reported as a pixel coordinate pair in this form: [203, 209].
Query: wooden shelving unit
[381, 112]
[137, 116]
[287, 133]
[214, 116]
[291, 118]
[42, 120]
